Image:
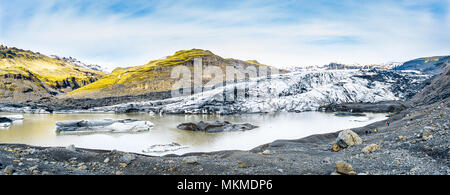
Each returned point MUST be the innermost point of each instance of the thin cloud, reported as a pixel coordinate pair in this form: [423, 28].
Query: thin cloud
[124, 33]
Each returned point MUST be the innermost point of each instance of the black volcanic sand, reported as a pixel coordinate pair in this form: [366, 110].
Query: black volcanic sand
[403, 150]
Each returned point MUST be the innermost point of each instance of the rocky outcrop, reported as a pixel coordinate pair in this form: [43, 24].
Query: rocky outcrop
[103, 125]
[215, 127]
[377, 107]
[437, 90]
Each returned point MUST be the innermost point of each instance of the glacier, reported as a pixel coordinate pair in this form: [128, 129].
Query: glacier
[292, 92]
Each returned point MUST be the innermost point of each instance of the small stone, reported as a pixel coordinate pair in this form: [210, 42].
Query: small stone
[30, 151]
[266, 152]
[127, 158]
[242, 166]
[123, 164]
[326, 160]
[45, 173]
[118, 173]
[71, 148]
[31, 169]
[427, 135]
[9, 170]
[36, 172]
[172, 169]
[83, 167]
[106, 160]
[190, 160]
[335, 148]
[370, 148]
[344, 168]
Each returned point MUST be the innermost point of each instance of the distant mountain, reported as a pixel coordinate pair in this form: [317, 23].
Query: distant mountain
[339, 66]
[74, 61]
[27, 75]
[155, 75]
[430, 65]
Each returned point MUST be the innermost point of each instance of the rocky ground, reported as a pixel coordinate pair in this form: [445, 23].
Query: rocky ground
[415, 142]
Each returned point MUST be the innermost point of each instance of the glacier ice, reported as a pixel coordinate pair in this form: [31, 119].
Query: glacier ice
[293, 92]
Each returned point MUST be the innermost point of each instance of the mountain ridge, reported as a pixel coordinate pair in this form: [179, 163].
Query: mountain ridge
[155, 75]
[431, 65]
[28, 75]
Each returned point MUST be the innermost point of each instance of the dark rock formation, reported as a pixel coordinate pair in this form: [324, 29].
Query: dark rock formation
[378, 107]
[216, 126]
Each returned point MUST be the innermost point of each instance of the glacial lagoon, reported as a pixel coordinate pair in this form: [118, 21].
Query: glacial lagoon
[164, 138]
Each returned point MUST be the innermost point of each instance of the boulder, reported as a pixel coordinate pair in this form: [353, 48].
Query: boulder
[370, 148]
[348, 138]
[104, 125]
[216, 126]
[344, 168]
[193, 160]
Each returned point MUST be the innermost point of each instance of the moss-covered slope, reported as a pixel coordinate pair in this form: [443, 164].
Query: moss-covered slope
[155, 75]
[26, 75]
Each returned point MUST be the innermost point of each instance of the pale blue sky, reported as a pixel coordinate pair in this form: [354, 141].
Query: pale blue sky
[281, 33]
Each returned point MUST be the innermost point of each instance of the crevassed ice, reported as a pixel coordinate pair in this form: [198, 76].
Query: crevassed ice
[293, 92]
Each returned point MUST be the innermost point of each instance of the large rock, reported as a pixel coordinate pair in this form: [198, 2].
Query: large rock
[344, 168]
[104, 125]
[348, 138]
[370, 148]
[216, 126]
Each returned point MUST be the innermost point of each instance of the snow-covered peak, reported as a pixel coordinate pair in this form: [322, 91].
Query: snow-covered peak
[76, 62]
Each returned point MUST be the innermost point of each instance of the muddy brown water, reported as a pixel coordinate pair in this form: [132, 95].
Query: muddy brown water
[39, 130]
